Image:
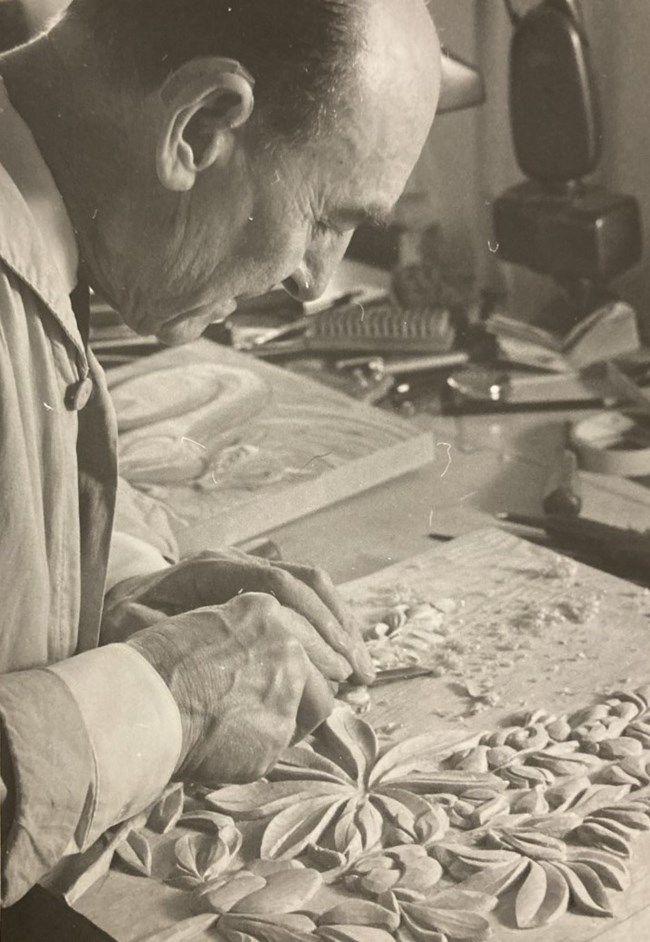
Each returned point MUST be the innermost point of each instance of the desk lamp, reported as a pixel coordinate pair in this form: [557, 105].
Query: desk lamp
[555, 223]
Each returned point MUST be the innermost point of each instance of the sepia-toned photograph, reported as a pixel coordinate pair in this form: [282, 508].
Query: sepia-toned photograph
[324, 470]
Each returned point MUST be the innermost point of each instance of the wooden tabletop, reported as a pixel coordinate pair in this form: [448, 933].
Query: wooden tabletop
[483, 465]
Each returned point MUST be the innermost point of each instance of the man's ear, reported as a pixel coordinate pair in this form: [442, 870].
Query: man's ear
[204, 102]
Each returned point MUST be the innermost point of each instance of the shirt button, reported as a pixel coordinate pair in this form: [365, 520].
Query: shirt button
[78, 394]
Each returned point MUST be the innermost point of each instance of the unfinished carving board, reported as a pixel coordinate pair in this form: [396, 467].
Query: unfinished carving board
[233, 447]
[530, 628]
[499, 599]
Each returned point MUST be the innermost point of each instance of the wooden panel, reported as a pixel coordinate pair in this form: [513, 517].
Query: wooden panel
[232, 446]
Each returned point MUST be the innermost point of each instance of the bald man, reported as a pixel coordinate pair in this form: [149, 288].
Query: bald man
[178, 156]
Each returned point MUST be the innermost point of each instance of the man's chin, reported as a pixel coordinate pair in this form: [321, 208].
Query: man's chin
[174, 335]
[188, 327]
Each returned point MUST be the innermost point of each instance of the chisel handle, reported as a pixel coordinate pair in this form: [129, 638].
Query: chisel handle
[563, 495]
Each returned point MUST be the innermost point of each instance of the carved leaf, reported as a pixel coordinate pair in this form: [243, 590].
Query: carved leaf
[455, 920]
[234, 927]
[285, 892]
[201, 858]
[352, 933]
[210, 821]
[166, 813]
[184, 931]
[554, 825]
[329, 862]
[352, 742]
[358, 829]
[597, 835]
[451, 782]
[497, 879]
[222, 894]
[611, 871]
[408, 756]
[621, 748]
[566, 793]
[599, 796]
[293, 829]
[135, 853]
[588, 894]
[629, 815]
[556, 898]
[304, 763]
[263, 799]
[530, 843]
[410, 817]
[464, 861]
[360, 913]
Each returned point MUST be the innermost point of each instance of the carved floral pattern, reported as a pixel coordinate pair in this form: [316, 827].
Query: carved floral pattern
[424, 845]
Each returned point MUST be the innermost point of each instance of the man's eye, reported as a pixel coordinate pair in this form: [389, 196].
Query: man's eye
[323, 227]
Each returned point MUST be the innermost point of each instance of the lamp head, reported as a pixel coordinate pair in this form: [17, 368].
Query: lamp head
[462, 84]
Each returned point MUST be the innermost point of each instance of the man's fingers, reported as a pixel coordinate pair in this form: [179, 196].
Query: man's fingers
[315, 706]
[335, 621]
[331, 665]
[335, 655]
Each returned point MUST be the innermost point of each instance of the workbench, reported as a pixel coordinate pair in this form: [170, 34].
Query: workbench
[483, 464]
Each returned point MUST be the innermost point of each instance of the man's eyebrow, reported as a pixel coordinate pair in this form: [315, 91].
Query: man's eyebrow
[356, 215]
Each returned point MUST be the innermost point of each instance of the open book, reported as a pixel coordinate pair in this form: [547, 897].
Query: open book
[608, 332]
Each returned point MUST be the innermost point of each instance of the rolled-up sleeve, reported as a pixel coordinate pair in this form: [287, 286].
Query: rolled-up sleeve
[90, 742]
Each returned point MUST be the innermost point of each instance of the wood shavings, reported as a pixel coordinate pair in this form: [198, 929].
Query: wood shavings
[562, 569]
[413, 632]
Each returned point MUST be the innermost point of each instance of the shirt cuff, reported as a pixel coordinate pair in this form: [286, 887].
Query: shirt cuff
[134, 727]
[51, 763]
[131, 556]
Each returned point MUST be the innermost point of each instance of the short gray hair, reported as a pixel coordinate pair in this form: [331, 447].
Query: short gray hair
[300, 52]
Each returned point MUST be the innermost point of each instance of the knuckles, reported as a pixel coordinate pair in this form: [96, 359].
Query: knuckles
[320, 580]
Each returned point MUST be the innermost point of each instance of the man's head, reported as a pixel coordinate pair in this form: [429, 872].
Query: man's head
[225, 146]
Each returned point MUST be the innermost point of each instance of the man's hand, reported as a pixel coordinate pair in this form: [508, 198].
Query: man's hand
[244, 684]
[214, 578]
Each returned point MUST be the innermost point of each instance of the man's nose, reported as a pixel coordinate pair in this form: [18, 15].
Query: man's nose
[302, 286]
[311, 278]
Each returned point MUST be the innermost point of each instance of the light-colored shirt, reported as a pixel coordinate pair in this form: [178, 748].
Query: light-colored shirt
[91, 735]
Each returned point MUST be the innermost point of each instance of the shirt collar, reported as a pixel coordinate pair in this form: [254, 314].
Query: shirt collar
[21, 158]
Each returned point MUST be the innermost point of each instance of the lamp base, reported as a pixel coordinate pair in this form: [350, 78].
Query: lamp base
[582, 233]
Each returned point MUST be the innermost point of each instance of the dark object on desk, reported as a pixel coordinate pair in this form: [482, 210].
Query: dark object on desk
[581, 232]
[374, 327]
[622, 551]
[555, 224]
[42, 917]
[563, 492]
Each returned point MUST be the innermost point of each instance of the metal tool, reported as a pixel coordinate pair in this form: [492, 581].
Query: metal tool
[563, 493]
[395, 674]
[623, 551]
